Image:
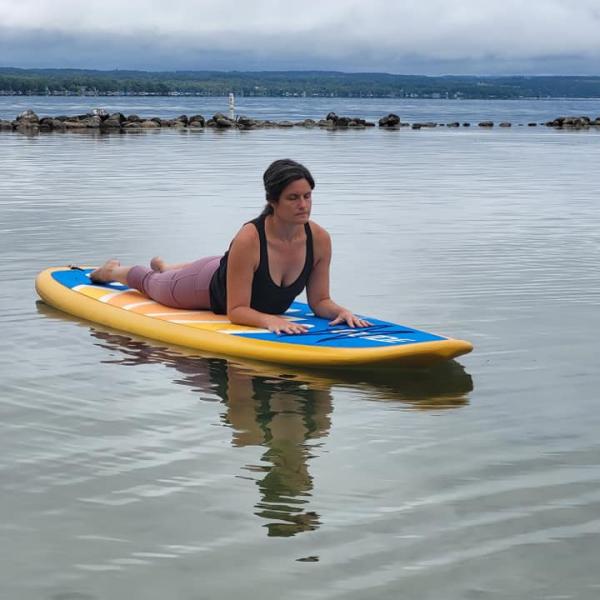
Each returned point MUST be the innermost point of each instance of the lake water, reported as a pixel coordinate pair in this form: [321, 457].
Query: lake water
[134, 470]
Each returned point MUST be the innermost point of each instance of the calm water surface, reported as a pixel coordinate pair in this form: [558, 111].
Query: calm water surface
[134, 470]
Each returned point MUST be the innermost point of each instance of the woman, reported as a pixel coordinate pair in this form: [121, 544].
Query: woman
[269, 262]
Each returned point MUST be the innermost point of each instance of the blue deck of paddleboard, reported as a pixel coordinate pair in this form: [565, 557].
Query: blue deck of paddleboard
[381, 333]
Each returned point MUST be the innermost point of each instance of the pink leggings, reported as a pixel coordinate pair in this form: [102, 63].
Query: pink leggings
[181, 288]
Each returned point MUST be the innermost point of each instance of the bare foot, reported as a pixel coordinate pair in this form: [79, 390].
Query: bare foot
[103, 274]
[158, 264]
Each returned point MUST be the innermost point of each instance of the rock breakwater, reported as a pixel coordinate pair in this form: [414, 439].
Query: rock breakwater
[102, 121]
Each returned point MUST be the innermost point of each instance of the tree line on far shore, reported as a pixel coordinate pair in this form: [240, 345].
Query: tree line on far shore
[291, 83]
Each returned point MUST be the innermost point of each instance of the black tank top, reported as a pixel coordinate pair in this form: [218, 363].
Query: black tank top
[267, 296]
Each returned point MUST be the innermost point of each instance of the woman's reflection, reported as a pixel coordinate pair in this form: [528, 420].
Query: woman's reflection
[284, 410]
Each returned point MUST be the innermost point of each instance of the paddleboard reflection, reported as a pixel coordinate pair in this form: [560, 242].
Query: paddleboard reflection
[282, 409]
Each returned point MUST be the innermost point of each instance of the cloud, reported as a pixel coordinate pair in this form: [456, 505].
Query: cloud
[431, 35]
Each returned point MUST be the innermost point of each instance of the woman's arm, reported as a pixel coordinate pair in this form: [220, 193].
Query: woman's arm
[317, 289]
[243, 260]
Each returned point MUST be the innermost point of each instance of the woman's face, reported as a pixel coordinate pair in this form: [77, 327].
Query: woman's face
[295, 202]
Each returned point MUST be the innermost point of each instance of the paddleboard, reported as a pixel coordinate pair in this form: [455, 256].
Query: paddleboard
[114, 305]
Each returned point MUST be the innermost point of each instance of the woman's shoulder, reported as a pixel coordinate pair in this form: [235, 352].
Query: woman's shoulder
[319, 233]
[247, 233]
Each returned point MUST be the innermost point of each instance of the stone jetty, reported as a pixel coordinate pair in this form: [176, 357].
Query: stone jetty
[102, 121]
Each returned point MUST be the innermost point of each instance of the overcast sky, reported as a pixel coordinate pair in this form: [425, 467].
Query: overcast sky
[403, 36]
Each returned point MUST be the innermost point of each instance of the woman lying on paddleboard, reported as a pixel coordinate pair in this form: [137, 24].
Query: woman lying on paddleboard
[269, 262]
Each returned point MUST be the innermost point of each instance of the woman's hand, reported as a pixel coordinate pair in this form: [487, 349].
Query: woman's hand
[280, 325]
[345, 316]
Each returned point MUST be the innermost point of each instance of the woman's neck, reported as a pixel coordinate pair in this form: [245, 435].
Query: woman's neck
[286, 232]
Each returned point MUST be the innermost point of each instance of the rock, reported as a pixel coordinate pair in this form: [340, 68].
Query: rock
[223, 123]
[132, 125]
[453, 124]
[369, 124]
[150, 124]
[134, 119]
[505, 124]
[390, 120]
[326, 124]
[486, 124]
[111, 123]
[58, 125]
[100, 112]
[196, 121]
[285, 124]
[183, 119]
[466, 124]
[306, 123]
[220, 121]
[28, 117]
[416, 126]
[74, 124]
[331, 117]
[531, 124]
[92, 122]
[246, 122]
[120, 117]
[429, 124]
[5, 125]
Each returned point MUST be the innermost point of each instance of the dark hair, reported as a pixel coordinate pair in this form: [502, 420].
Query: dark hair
[278, 176]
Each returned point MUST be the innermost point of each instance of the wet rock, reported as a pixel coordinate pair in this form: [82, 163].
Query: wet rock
[196, 121]
[357, 123]
[134, 119]
[118, 116]
[466, 124]
[531, 124]
[27, 118]
[307, 123]
[326, 124]
[571, 122]
[246, 122]
[429, 124]
[73, 124]
[285, 124]
[183, 119]
[111, 123]
[416, 126]
[92, 122]
[505, 124]
[150, 124]
[5, 125]
[220, 121]
[486, 124]
[453, 124]
[390, 120]
[331, 117]
[132, 125]
[100, 112]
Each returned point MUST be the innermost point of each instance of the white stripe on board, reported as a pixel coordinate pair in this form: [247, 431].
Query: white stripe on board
[186, 321]
[107, 297]
[234, 331]
[136, 304]
[171, 314]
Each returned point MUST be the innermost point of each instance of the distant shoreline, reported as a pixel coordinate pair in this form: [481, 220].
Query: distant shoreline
[294, 84]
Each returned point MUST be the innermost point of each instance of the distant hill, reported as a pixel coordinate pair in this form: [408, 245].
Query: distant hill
[290, 83]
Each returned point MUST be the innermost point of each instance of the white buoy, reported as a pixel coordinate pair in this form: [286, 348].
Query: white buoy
[231, 105]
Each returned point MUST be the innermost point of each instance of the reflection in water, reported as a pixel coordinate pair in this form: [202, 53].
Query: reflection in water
[282, 408]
